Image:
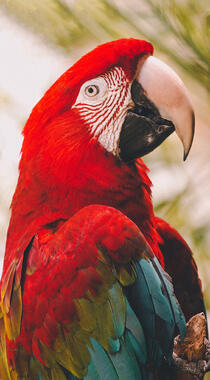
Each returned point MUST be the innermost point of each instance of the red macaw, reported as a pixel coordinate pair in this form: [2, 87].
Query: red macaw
[84, 294]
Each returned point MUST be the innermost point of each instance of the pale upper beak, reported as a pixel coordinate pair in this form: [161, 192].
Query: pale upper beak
[168, 93]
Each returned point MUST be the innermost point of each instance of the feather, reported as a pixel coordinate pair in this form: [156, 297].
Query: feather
[136, 335]
[12, 319]
[168, 287]
[101, 364]
[57, 374]
[124, 364]
[118, 307]
[153, 309]
[4, 369]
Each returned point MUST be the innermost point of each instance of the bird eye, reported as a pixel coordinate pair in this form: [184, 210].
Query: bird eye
[91, 90]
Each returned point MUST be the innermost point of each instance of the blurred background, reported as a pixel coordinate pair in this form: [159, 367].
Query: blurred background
[40, 39]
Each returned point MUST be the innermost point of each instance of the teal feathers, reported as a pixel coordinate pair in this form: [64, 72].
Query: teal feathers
[145, 336]
[168, 287]
[154, 303]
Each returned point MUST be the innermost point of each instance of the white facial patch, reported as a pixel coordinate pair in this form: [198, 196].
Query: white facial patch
[103, 103]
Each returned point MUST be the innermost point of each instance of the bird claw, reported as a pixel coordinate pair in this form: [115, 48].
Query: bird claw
[195, 368]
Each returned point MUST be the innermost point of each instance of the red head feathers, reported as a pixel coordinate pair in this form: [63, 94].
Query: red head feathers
[62, 94]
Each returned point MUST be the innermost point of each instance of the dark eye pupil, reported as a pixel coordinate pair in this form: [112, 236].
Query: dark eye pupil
[91, 90]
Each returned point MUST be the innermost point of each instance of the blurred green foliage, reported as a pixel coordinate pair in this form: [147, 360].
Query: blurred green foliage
[180, 29]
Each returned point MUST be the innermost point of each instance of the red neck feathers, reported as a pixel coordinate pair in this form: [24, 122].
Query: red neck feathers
[68, 169]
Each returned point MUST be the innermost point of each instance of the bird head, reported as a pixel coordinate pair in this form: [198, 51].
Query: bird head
[126, 100]
[136, 103]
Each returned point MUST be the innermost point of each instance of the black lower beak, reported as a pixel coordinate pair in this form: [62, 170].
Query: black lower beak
[143, 129]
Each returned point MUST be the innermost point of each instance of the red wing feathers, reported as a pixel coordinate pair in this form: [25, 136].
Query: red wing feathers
[68, 290]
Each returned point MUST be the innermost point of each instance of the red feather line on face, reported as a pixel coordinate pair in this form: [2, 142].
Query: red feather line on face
[105, 117]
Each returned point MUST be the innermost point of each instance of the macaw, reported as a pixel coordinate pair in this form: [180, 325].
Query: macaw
[86, 290]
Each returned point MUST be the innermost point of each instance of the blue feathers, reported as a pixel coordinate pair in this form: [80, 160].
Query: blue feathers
[168, 287]
[155, 305]
[100, 363]
[127, 359]
[124, 364]
[145, 318]
[135, 334]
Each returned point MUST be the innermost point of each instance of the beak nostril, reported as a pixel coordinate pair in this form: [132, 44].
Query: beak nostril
[160, 129]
